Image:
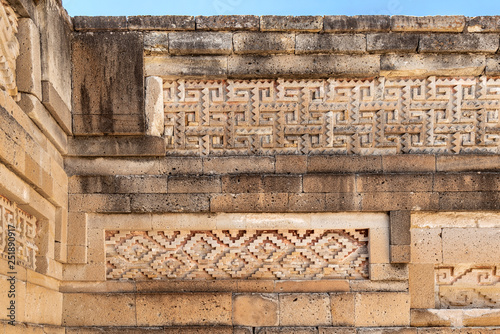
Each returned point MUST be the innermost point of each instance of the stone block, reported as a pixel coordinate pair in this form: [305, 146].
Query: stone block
[282, 184]
[55, 42]
[426, 245]
[400, 253]
[287, 330]
[242, 183]
[111, 166]
[291, 164]
[236, 165]
[336, 330]
[160, 203]
[424, 65]
[77, 229]
[330, 43]
[24, 8]
[43, 305]
[400, 222]
[483, 24]
[480, 318]
[465, 181]
[166, 22]
[194, 184]
[200, 309]
[343, 202]
[449, 163]
[108, 82]
[313, 309]
[310, 202]
[419, 163]
[471, 245]
[79, 309]
[99, 23]
[493, 65]
[173, 67]
[433, 318]
[116, 146]
[394, 182]
[358, 23]
[469, 201]
[385, 330]
[159, 286]
[97, 125]
[380, 286]
[228, 22]
[301, 66]
[389, 201]
[484, 43]
[200, 43]
[421, 285]
[342, 306]
[336, 285]
[28, 65]
[260, 286]
[344, 164]
[392, 42]
[99, 203]
[291, 23]
[275, 202]
[255, 310]
[50, 128]
[155, 115]
[180, 165]
[156, 42]
[145, 184]
[77, 254]
[428, 23]
[263, 43]
[328, 183]
[388, 272]
[382, 309]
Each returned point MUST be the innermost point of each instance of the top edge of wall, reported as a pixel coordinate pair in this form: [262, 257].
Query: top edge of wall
[327, 23]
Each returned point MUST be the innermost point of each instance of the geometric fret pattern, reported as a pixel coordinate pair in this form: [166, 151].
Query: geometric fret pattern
[237, 254]
[9, 49]
[333, 116]
[466, 286]
[24, 225]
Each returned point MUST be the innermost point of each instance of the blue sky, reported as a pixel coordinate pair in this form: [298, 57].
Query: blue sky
[282, 7]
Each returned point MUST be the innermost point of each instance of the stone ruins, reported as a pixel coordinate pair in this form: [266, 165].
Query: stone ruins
[244, 174]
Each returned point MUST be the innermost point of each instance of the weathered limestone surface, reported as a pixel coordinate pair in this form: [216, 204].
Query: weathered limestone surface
[108, 83]
[323, 174]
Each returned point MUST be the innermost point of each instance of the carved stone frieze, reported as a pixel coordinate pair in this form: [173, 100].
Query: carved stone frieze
[9, 49]
[237, 254]
[335, 116]
[23, 226]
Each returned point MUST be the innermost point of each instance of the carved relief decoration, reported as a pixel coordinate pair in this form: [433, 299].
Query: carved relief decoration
[465, 286]
[237, 254]
[335, 116]
[9, 49]
[24, 227]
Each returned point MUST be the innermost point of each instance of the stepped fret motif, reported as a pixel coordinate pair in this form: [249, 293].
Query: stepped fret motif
[9, 49]
[465, 286]
[24, 226]
[237, 254]
[335, 116]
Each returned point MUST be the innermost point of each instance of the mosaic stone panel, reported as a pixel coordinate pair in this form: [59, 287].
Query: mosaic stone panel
[14, 219]
[334, 116]
[9, 49]
[468, 286]
[237, 254]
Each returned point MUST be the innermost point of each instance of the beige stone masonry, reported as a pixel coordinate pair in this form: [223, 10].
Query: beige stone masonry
[28, 66]
[154, 107]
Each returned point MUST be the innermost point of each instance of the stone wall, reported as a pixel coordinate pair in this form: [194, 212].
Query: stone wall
[242, 174]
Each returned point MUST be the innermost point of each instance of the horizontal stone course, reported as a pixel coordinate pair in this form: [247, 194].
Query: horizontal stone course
[330, 43]
[228, 22]
[486, 43]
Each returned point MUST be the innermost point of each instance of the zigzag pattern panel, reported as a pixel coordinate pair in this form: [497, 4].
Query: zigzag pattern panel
[334, 116]
[237, 254]
[465, 286]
